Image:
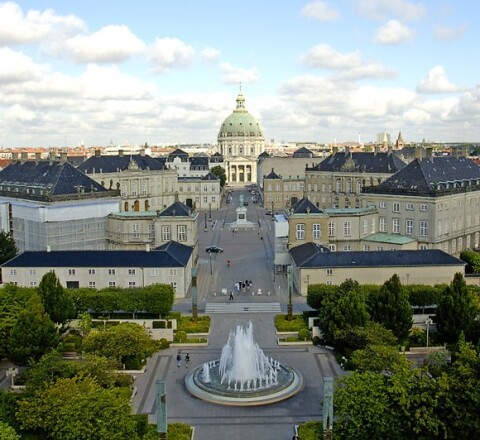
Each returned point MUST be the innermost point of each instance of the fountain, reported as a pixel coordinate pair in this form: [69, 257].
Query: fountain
[244, 375]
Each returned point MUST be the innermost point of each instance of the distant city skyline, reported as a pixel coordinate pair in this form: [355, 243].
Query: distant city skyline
[169, 72]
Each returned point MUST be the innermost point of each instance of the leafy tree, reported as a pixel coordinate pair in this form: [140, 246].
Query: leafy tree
[7, 432]
[33, 334]
[8, 248]
[392, 308]
[58, 304]
[77, 408]
[376, 358]
[472, 259]
[8, 407]
[460, 395]
[52, 367]
[220, 173]
[127, 343]
[456, 312]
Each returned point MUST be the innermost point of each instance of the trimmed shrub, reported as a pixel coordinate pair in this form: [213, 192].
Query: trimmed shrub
[304, 334]
[181, 336]
[311, 431]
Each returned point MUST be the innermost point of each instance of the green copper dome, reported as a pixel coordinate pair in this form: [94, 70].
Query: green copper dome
[240, 123]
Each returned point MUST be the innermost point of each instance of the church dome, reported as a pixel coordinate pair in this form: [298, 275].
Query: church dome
[240, 123]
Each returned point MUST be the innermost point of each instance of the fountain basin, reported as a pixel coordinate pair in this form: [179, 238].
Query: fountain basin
[290, 383]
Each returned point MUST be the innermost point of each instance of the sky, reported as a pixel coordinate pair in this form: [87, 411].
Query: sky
[163, 71]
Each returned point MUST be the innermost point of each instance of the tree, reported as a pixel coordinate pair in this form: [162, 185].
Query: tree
[392, 308]
[33, 334]
[376, 358]
[220, 173]
[8, 248]
[77, 408]
[127, 343]
[57, 303]
[7, 432]
[456, 311]
[459, 393]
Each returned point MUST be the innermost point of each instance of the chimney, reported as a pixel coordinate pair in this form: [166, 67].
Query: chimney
[120, 153]
[52, 157]
[334, 150]
[63, 157]
[97, 153]
[464, 151]
[389, 150]
[142, 151]
[418, 153]
[376, 150]
[38, 157]
[347, 150]
[49, 249]
[429, 152]
[24, 156]
[14, 157]
[147, 247]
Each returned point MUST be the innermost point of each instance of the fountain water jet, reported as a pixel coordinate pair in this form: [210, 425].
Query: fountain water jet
[244, 375]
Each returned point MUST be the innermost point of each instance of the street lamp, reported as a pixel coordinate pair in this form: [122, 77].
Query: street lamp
[210, 211]
[206, 229]
[428, 321]
[210, 258]
[12, 372]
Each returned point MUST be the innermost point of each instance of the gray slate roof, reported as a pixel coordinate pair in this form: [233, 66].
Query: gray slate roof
[361, 162]
[171, 254]
[305, 206]
[308, 256]
[272, 175]
[52, 178]
[176, 209]
[429, 175]
[112, 164]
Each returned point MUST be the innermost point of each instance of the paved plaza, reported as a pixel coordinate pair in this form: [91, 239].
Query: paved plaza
[251, 256]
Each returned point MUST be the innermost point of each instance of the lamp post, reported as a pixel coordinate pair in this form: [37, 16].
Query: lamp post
[428, 321]
[12, 372]
[206, 229]
[289, 285]
[210, 258]
[210, 211]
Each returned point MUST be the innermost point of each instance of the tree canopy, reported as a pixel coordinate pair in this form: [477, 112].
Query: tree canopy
[8, 248]
[220, 173]
[57, 303]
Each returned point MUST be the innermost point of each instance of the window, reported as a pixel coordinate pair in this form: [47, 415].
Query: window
[316, 233]
[329, 272]
[33, 284]
[131, 284]
[154, 272]
[111, 271]
[182, 232]
[347, 248]
[172, 272]
[338, 186]
[365, 227]
[332, 247]
[71, 271]
[136, 231]
[91, 284]
[300, 231]
[174, 285]
[439, 227]
[396, 207]
[423, 247]
[423, 207]
[91, 271]
[166, 233]
[409, 227]
[134, 189]
[111, 284]
[409, 207]
[366, 247]
[347, 228]
[382, 224]
[329, 283]
[13, 272]
[131, 271]
[373, 226]
[423, 228]
[383, 204]
[396, 226]
[331, 229]
[151, 231]
[33, 272]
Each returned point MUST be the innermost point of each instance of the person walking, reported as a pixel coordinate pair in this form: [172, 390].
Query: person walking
[187, 360]
[179, 360]
[231, 296]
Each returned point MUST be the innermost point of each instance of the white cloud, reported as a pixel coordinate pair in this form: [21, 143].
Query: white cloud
[416, 116]
[15, 67]
[349, 65]
[108, 45]
[235, 75]
[210, 54]
[383, 9]
[169, 53]
[34, 26]
[320, 10]
[449, 33]
[436, 81]
[393, 32]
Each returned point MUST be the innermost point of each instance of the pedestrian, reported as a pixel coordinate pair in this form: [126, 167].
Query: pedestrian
[187, 360]
[179, 360]
[295, 437]
[231, 296]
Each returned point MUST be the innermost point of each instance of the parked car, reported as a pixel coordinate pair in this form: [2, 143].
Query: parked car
[268, 212]
[213, 249]
[245, 203]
